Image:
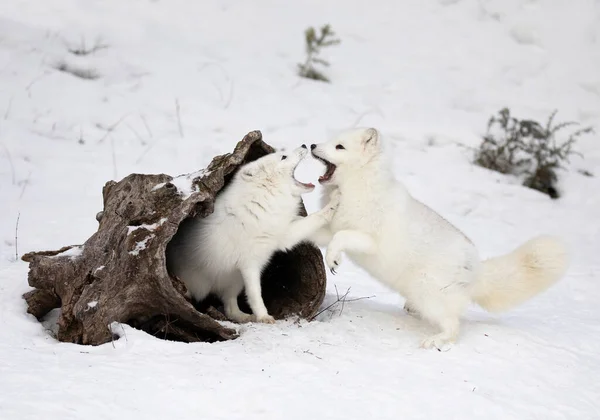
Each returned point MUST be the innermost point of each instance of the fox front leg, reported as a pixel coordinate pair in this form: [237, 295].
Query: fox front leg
[251, 277]
[310, 227]
[352, 241]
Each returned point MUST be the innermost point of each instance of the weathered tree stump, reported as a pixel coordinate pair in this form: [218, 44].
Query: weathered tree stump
[119, 274]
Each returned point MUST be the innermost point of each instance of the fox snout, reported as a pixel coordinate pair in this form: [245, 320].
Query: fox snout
[301, 151]
[316, 151]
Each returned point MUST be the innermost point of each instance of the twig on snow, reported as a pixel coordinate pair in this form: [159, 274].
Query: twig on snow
[177, 109]
[151, 145]
[30, 85]
[12, 165]
[143, 118]
[144, 153]
[7, 113]
[312, 354]
[110, 128]
[339, 299]
[114, 157]
[230, 98]
[17, 238]
[135, 133]
[25, 184]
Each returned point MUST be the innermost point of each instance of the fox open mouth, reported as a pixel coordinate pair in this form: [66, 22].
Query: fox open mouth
[330, 169]
[306, 185]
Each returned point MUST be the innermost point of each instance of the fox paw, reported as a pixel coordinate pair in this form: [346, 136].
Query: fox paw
[326, 214]
[241, 318]
[334, 198]
[233, 313]
[438, 342]
[329, 210]
[334, 201]
[265, 319]
[333, 260]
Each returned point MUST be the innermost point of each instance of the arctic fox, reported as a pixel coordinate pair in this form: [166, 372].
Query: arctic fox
[254, 216]
[412, 249]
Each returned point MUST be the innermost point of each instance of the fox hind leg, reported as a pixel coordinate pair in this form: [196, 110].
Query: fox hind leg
[442, 308]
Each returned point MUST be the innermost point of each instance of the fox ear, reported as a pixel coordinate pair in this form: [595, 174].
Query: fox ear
[370, 138]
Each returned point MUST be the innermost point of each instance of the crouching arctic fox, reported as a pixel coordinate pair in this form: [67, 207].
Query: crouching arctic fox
[410, 248]
[254, 216]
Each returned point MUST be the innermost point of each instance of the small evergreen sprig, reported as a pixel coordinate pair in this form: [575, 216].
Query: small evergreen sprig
[314, 44]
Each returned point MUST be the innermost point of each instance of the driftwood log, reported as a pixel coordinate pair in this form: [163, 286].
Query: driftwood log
[119, 274]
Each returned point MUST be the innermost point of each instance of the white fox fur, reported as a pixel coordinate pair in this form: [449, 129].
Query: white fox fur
[253, 217]
[412, 249]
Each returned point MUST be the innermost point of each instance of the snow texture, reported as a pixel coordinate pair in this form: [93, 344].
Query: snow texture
[141, 245]
[428, 74]
[73, 252]
[150, 227]
[184, 184]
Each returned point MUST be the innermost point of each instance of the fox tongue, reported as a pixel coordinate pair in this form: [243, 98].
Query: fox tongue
[328, 172]
[304, 184]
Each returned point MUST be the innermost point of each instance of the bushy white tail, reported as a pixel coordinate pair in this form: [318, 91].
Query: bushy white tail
[509, 280]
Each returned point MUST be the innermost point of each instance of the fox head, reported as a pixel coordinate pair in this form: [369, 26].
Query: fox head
[276, 171]
[347, 152]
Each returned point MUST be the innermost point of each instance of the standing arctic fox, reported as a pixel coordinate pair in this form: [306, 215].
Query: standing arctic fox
[412, 249]
[254, 216]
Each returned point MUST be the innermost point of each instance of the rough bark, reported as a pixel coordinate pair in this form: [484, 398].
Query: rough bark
[119, 274]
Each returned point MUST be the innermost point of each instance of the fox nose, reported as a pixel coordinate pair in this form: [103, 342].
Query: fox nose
[312, 146]
[303, 146]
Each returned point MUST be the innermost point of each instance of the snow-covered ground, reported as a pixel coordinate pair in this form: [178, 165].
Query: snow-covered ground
[427, 73]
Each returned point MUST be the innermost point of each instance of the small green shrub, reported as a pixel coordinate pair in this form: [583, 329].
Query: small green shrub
[314, 44]
[526, 148]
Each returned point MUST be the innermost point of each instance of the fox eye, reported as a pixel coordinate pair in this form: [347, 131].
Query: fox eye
[340, 147]
[284, 157]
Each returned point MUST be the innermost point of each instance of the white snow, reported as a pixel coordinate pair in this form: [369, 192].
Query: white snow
[92, 304]
[428, 74]
[150, 227]
[159, 186]
[72, 252]
[141, 245]
[184, 183]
